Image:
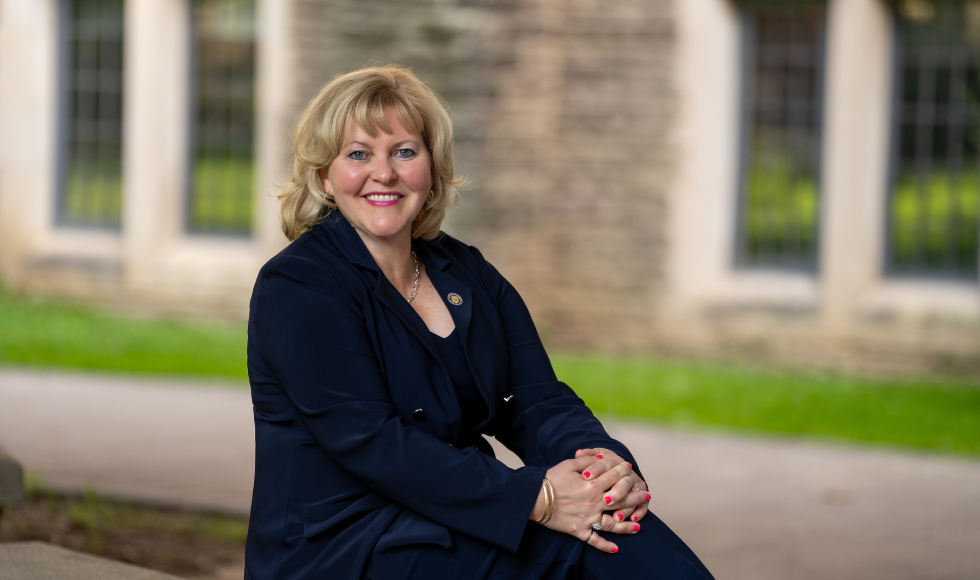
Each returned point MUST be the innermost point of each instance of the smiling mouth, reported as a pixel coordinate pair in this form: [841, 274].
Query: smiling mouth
[382, 197]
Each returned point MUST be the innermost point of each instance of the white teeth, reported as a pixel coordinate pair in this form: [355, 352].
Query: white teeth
[382, 197]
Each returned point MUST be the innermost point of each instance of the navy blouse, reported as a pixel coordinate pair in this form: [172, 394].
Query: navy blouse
[467, 394]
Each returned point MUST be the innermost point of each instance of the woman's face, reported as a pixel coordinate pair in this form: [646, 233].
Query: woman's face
[380, 183]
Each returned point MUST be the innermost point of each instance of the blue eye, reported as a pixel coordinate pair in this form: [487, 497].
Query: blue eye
[404, 153]
[357, 155]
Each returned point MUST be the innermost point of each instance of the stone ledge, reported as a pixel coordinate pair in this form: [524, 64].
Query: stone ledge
[40, 561]
[11, 480]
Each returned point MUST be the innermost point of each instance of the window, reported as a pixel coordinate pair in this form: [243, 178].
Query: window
[90, 145]
[782, 98]
[221, 184]
[934, 202]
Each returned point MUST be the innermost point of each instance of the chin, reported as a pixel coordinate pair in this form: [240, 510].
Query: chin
[388, 228]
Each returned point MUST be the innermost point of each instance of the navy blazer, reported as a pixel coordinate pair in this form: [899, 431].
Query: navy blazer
[357, 429]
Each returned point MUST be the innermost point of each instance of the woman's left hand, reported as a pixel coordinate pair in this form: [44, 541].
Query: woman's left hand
[632, 508]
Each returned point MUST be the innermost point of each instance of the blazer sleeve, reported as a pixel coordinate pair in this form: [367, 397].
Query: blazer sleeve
[545, 422]
[312, 335]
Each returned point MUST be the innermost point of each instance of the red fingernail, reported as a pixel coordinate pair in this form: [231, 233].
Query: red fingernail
[630, 464]
[636, 528]
[615, 550]
[620, 516]
[648, 497]
[633, 518]
[598, 456]
[586, 474]
[608, 500]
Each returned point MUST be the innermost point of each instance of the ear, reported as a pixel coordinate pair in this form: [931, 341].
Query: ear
[325, 180]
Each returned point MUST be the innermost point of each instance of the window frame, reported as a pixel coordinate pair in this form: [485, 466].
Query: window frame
[64, 131]
[191, 130]
[889, 270]
[745, 133]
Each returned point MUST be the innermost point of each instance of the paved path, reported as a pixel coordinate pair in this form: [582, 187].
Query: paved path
[753, 509]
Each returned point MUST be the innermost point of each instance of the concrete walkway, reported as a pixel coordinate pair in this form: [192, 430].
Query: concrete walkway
[751, 508]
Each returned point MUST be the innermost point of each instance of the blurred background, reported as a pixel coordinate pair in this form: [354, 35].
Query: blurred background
[747, 230]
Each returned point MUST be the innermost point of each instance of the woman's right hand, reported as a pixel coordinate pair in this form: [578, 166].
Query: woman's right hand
[579, 502]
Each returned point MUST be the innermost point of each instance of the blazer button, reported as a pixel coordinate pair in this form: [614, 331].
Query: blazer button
[419, 415]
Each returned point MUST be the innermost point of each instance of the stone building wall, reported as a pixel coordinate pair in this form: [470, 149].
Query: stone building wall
[601, 141]
[562, 111]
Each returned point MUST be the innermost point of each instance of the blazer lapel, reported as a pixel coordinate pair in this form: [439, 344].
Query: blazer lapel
[353, 248]
[394, 301]
[457, 296]
[348, 241]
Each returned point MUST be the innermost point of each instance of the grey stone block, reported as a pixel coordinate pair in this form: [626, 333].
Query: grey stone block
[11, 480]
[40, 561]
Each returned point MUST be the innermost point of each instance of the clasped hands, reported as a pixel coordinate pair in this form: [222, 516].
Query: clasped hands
[595, 482]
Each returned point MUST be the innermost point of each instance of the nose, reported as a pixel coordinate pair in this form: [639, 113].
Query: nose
[383, 171]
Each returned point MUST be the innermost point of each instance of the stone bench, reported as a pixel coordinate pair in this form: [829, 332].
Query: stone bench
[40, 561]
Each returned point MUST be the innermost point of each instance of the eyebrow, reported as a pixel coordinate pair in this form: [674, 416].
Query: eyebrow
[349, 143]
[396, 145]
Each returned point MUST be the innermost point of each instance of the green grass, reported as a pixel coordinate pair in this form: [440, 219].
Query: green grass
[40, 332]
[92, 513]
[181, 543]
[926, 414]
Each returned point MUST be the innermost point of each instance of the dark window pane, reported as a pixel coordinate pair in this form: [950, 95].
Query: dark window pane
[779, 193]
[934, 203]
[221, 185]
[90, 190]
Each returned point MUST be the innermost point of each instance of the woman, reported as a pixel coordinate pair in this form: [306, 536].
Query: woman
[381, 350]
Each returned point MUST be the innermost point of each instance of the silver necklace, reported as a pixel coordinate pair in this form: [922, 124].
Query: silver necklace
[415, 288]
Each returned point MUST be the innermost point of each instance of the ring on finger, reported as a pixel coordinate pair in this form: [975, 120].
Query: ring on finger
[597, 525]
[637, 489]
[590, 536]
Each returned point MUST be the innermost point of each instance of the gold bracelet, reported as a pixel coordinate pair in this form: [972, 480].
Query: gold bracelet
[549, 502]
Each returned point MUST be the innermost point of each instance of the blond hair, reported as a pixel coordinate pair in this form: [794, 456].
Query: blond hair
[364, 97]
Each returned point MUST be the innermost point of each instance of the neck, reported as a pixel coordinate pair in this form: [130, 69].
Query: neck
[394, 257]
